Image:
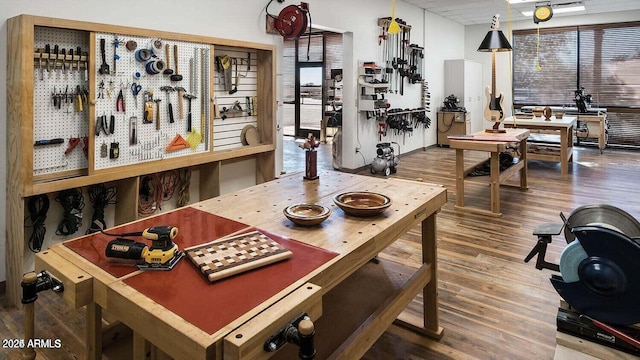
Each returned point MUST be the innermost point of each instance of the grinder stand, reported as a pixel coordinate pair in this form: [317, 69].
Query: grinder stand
[544, 232]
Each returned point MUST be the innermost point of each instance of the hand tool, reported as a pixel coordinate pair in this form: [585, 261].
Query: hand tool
[163, 254]
[135, 89]
[167, 54]
[116, 57]
[47, 49]
[148, 108]
[56, 50]
[101, 125]
[39, 51]
[204, 83]
[157, 101]
[71, 53]
[64, 61]
[112, 124]
[86, 66]
[104, 68]
[168, 89]
[189, 97]
[133, 136]
[235, 83]
[180, 90]
[49, 142]
[79, 93]
[120, 102]
[73, 142]
[176, 76]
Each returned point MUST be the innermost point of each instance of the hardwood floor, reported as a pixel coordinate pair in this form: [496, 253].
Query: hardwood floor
[492, 304]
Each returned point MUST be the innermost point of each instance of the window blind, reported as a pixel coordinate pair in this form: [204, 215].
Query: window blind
[603, 59]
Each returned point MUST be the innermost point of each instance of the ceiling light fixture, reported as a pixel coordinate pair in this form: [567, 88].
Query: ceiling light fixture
[557, 10]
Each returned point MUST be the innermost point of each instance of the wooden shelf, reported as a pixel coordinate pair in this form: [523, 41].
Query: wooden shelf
[360, 308]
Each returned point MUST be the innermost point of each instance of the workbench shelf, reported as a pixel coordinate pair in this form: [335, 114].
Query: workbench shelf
[360, 309]
[36, 168]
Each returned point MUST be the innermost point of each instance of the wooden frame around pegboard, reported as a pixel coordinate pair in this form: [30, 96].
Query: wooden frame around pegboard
[26, 176]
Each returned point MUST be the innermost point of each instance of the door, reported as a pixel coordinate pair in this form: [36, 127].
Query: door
[309, 107]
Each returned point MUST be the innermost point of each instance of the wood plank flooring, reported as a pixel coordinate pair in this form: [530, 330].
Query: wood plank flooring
[492, 304]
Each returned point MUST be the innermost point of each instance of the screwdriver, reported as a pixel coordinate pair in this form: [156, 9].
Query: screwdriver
[49, 142]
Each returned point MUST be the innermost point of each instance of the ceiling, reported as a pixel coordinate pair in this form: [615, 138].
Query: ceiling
[470, 12]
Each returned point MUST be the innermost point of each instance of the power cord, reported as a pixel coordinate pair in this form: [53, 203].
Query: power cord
[185, 183]
[37, 206]
[100, 197]
[72, 203]
[168, 182]
[149, 198]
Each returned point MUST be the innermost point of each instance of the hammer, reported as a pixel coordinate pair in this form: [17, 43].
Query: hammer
[189, 97]
[167, 89]
[157, 101]
[180, 95]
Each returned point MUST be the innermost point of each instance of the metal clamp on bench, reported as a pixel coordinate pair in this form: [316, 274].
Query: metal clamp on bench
[544, 233]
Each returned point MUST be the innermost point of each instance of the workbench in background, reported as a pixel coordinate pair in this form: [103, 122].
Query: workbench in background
[494, 143]
[544, 151]
[351, 299]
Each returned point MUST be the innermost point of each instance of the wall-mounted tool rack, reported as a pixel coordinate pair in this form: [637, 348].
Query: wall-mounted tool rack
[54, 146]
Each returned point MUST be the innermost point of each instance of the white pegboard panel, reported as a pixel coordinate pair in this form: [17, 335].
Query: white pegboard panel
[244, 66]
[51, 122]
[150, 143]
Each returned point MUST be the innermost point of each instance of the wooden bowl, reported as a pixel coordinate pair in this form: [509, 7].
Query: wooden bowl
[362, 203]
[307, 214]
[559, 115]
[537, 112]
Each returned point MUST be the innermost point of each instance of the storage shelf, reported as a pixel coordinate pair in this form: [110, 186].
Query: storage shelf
[361, 308]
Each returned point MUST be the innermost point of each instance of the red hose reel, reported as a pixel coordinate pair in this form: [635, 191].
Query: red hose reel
[292, 21]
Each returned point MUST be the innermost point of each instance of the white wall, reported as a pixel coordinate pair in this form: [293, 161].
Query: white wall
[225, 19]
[475, 34]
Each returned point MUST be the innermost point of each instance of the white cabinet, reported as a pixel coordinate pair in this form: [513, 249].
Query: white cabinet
[463, 78]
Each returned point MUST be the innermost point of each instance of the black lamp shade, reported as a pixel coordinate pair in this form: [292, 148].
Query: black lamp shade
[495, 41]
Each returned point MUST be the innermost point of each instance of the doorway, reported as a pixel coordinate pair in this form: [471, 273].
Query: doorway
[307, 64]
[309, 107]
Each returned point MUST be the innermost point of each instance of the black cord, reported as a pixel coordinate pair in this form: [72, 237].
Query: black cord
[72, 203]
[100, 197]
[37, 206]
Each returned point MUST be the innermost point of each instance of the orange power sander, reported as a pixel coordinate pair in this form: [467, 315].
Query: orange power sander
[163, 254]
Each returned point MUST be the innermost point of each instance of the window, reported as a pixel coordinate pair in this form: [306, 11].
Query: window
[604, 59]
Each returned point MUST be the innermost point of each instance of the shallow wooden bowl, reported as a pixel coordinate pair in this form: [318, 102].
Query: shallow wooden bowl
[362, 203]
[307, 214]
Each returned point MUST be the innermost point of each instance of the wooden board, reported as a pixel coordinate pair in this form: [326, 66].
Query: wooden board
[226, 257]
[510, 135]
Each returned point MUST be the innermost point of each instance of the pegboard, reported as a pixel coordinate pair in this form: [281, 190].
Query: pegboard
[65, 122]
[241, 103]
[138, 139]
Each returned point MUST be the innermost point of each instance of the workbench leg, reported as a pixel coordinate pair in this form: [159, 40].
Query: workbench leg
[495, 182]
[564, 161]
[94, 331]
[430, 292]
[140, 346]
[459, 177]
[524, 172]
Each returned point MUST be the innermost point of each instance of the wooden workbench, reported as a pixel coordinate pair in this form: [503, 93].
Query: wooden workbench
[563, 127]
[162, 307]
[494, 143]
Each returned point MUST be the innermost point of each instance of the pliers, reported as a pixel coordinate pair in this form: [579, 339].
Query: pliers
[120, 102]
[101, 125]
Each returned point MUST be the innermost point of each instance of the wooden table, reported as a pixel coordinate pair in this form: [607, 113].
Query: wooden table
[377, 291]
[564, 126]
[495, 144]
